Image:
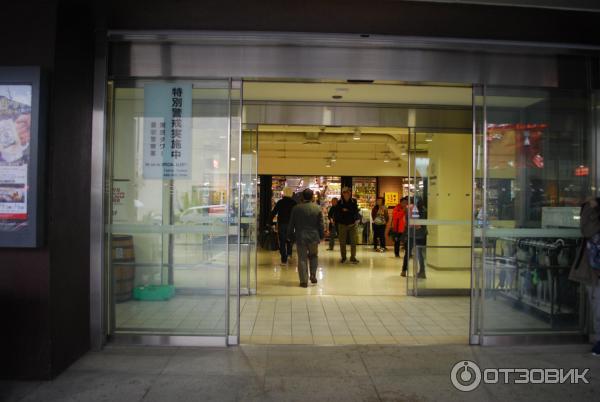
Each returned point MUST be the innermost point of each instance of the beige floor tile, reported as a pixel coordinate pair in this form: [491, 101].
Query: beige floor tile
[281, 340]
[302, 340]
[323, 340]
[260, 339]
[406, 340]
[365, 340]
[385, 340]
[339, 307]
[343, 340]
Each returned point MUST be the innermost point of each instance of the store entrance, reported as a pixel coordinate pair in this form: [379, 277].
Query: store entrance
[379, 156]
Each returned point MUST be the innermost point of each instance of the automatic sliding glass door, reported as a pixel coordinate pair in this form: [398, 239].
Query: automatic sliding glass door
[249, 183]
[173, 210]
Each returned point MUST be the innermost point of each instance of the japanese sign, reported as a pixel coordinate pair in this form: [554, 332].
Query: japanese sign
[15, 135]
[122, 203]
[391, 199]
[167, 130]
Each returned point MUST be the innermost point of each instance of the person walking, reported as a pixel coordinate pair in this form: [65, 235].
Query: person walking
[398, 224]
[332, 224]
[307, 229]
[380, 218]
[420, 239]
[283, 209]
[347, 218]
[582, 270]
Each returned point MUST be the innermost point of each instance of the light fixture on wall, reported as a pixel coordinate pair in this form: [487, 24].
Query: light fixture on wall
[386, 157]
[428, 137]
[327, 163]
[333, 157]
[356, 135]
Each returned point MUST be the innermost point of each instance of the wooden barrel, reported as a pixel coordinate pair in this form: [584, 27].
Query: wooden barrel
[123, 263]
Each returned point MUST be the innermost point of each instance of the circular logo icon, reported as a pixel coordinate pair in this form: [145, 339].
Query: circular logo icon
[465, 376]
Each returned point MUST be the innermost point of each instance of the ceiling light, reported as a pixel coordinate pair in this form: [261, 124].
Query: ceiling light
[356, 135]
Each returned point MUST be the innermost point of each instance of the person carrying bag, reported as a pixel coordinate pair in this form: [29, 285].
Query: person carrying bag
[398, 226]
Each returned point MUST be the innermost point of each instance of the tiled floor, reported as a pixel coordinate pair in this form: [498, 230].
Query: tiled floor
[202, 315]
[276, 373]
[376, 274]
[351, 304]
[341, 320]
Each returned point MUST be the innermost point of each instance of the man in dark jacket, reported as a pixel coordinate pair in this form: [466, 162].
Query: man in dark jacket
[283, 210]
[332, 224]
[347, 217]
[306, 227]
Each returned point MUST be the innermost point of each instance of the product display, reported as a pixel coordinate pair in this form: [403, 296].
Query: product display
[533, 274]
[364, 189]
[324, 187]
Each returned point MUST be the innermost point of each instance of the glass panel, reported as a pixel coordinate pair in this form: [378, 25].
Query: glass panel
[537, 177]
[168, 225]
[440, 212]
[409, 188]
[237, 206]
[249, 210]
[479, 172]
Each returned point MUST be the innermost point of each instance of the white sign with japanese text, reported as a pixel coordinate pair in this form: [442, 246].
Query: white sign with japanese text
[167, 130]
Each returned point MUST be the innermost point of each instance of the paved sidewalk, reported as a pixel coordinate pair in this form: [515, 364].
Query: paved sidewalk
[304, 373]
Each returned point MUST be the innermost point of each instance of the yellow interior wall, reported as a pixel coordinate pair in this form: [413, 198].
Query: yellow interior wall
[449, 198]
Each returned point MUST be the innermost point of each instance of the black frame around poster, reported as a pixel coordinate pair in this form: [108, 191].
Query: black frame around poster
[30, 233]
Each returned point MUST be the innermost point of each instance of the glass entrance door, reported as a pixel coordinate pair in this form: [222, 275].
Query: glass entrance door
[249, 224]
[532, 172]
[173, 199]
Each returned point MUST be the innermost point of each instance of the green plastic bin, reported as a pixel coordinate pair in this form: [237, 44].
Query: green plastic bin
[154, 292]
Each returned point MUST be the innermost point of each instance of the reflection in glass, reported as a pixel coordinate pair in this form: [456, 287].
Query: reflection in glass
[537, 177]
[175, 226]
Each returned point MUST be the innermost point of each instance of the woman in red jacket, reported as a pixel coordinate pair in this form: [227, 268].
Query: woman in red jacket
[398, 224]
